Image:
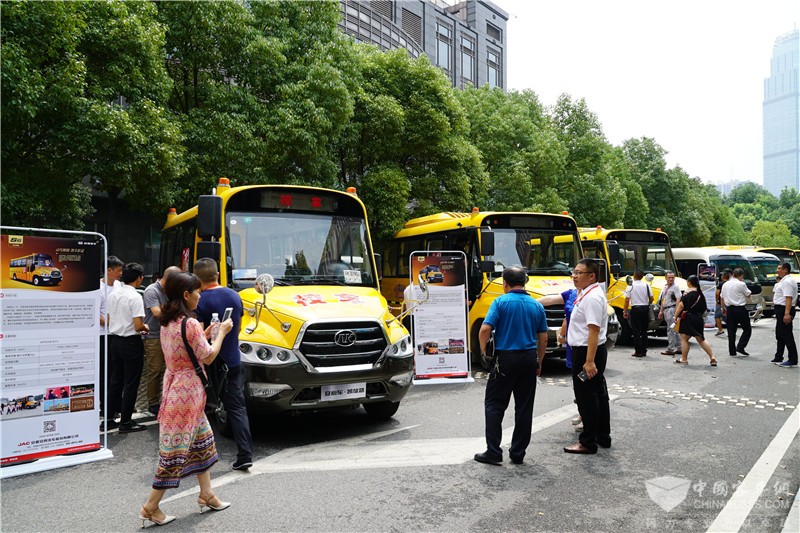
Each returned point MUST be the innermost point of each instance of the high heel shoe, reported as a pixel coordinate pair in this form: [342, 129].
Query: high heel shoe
[148, 516]
[206, 502]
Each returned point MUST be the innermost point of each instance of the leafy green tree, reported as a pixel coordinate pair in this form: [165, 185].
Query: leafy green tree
[83, 93]
[521, 154]
[773, 234]
[406, 124]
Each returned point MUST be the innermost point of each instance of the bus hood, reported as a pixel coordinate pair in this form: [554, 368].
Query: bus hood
[317, 302]
[539, 286]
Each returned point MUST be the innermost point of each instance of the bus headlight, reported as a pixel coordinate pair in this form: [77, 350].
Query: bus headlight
[255, 352]
[401, 349]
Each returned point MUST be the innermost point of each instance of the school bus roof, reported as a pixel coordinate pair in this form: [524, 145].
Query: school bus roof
[226, 192]
[451, 220]
[601, 233]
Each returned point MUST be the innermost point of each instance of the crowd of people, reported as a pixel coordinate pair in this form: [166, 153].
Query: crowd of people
[165, 337]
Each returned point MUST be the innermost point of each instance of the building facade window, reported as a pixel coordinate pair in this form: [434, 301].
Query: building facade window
[493, 32]
[494, 66]
[468, 48]
[444, 47]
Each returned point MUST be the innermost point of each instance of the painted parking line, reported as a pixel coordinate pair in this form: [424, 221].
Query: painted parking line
[365, 452]
[741, 503]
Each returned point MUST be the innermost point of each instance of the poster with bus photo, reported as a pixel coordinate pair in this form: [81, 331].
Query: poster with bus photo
[440, 319]
[50, 343]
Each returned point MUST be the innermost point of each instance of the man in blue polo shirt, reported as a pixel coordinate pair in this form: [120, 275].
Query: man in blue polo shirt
[215, 299]
[520, 336]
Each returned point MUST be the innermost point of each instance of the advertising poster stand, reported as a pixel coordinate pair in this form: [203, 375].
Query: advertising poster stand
[439, 318]
[707, 274]
[49, 343]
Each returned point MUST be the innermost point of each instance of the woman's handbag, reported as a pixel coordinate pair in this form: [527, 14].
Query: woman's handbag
[213, 391]
[677, 325]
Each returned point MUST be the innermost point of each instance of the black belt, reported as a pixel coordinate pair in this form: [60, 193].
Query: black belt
[736, 307]
[514, 352]
[669, 307]
[643, 305]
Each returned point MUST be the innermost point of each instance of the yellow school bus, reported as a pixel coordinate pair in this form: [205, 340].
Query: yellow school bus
[316, 332]
[546, 245]
[626, 250]
[38, 269]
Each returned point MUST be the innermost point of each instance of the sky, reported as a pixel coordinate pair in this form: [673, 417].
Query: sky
[689, 74]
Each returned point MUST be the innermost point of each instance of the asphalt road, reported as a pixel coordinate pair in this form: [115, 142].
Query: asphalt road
[695, 448]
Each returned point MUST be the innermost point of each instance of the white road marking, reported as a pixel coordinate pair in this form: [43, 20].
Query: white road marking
[738, 507]
[363, 452]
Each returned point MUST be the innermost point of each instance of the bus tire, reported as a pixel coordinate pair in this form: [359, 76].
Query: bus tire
[477, 360]
[36, 280]
[381, 410]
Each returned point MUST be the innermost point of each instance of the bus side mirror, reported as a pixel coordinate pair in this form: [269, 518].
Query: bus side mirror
[614, 257]
[486, 266]
[209, 217]
[602, 276]
[378, 265]
[487, 242]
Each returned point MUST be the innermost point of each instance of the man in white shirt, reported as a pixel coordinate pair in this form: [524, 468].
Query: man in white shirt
[785, 299]
[733, 298]
[126, 349]
[587, 337]
[107, 284]
[670, 296]
[638, 298]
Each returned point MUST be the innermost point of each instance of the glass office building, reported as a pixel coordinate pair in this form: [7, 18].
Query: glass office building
[782, 116]
[466, 39]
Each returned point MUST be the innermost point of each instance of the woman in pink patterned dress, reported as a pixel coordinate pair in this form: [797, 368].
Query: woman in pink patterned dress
[186, 441]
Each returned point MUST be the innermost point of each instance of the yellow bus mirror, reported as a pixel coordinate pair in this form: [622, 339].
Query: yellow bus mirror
[264, 284]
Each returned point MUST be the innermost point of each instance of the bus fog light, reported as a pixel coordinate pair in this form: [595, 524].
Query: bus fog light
[402, 379]
[264, 354]
[283, 355]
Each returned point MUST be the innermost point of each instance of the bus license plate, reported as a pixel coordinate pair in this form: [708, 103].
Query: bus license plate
[343, 392]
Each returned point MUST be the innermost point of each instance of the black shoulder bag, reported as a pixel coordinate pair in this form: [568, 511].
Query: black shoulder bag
[213, 391]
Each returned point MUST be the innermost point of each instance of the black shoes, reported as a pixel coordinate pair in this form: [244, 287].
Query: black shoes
[777, 361]
[742, 352]
[516, 460]
[109, 425]
[488, 459]
[131, 427]
[243, 465]
[604, 443]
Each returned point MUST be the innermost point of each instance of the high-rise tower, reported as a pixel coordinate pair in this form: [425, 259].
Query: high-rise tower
[782, 115]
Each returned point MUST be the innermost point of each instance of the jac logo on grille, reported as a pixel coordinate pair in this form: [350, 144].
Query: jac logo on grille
[344, 338]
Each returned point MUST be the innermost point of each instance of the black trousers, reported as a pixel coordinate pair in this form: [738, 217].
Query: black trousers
[737, 316]
[592, 398]
[103, 382]
[514, 373]
[126, 360]
[639, 322]
[784, 334]
[237, 413]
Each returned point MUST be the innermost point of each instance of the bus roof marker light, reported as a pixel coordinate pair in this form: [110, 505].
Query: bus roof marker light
[565, 212]
[475, 210]
[658, 229]
[172, 213]
[351, 190]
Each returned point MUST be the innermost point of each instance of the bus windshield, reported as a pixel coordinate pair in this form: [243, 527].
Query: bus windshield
[727, 263]
[785, 256]
[43, 260]
[541, 252]
[299, 249]
[765, 270]
[653, 258]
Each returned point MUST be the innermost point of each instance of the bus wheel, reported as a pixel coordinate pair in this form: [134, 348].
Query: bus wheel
[381, 410]
[36, 280]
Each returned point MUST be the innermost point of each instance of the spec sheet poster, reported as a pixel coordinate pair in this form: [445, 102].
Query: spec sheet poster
[49, 341]
[440, 320]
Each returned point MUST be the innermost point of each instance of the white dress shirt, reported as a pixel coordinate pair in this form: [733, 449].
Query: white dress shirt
[124, 305]
[638, 293]
[734, 292]
[786, 287]
[590, 308]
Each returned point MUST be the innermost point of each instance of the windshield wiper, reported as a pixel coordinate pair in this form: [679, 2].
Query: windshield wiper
[323, 280]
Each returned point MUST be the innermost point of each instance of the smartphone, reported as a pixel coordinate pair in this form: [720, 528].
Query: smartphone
[583, 376]
[228, 313]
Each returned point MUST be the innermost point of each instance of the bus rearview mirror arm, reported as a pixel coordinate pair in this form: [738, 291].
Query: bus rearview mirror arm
[264, 284]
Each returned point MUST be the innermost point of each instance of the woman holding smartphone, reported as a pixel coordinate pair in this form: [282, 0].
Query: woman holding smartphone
[186, 442]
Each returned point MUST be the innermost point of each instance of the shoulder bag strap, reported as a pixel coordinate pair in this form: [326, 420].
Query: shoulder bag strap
[197, 368]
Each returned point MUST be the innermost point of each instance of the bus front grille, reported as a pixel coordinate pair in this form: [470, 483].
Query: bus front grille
[554, 315]
[329, 344]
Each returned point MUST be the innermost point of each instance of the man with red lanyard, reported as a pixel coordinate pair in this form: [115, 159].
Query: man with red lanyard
[587, 336]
